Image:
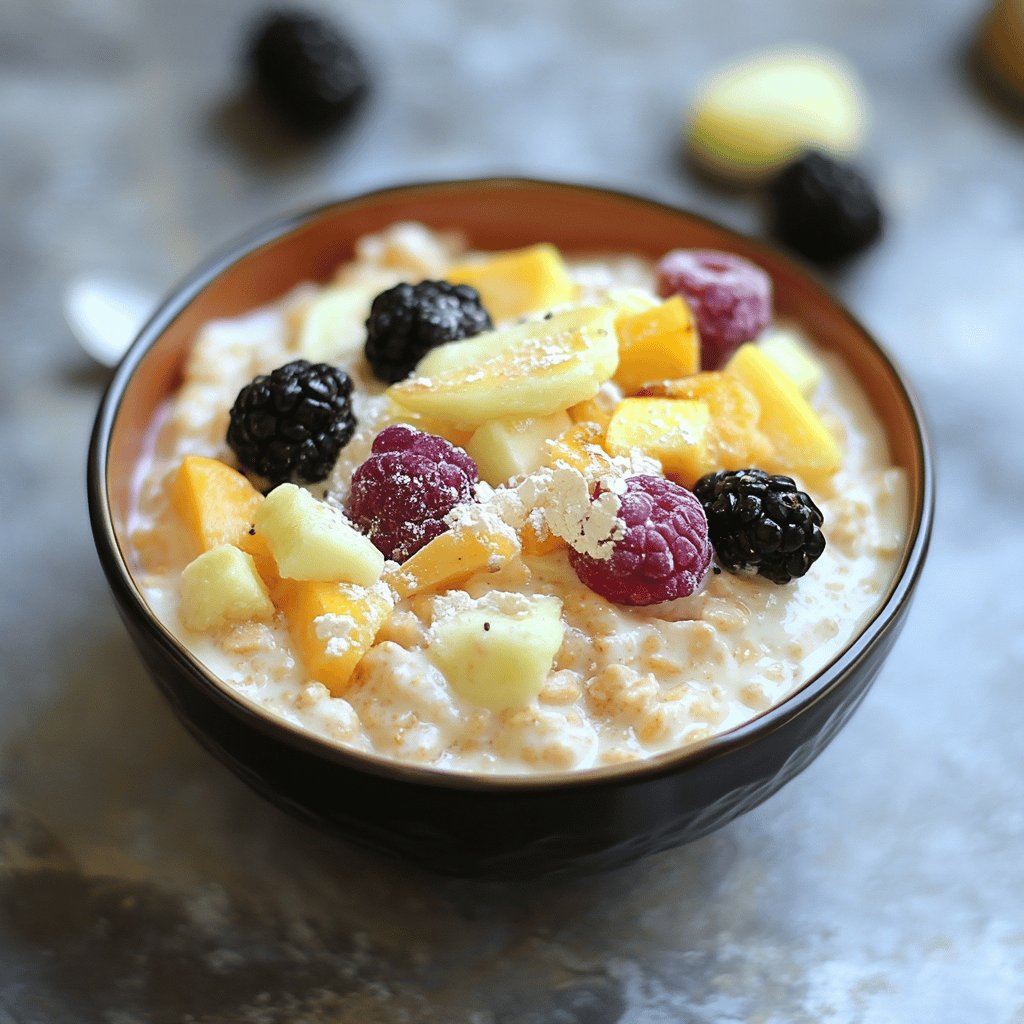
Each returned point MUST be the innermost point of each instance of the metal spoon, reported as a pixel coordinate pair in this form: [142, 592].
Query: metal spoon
[105, 314]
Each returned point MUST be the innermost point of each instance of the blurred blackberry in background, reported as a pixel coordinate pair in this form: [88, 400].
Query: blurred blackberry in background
[306, 71]
[824, 209]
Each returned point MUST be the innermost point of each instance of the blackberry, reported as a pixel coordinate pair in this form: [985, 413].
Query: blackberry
[306, 71]
[407, 321]
[824, 209]
[292, 423]
[761, 524]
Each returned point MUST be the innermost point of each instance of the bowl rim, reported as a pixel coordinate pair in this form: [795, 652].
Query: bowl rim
[816, 688]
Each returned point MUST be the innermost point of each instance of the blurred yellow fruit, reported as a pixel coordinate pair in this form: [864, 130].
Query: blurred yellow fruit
[512, 284]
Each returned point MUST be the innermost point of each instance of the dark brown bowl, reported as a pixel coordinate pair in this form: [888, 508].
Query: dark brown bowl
[458, 823]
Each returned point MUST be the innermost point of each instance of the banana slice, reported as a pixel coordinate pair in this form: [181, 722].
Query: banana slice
[533, 369]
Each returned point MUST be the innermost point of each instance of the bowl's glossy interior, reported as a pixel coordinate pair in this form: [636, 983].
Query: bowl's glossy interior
[495, 214]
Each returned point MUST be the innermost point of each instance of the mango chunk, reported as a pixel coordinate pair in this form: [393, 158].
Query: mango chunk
[593, 410]
[657, 343]
[533, 369]
[332, 626]
[223, 586]
[672, 430]
[217, 503]
[512, 284]
[734, 439]
[582, 448]
[534, 545]
[507, 448]
[452, 557]
[219, 506]
[802, 442]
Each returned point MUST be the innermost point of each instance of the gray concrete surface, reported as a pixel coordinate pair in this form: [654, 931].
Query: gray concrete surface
[140, 882]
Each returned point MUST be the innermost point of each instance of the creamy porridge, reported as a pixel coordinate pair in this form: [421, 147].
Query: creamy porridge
[476, 641]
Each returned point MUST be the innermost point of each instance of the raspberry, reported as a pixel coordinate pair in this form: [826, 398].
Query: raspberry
[407, 321]
[292, 423]
[824, 209]
[731, 298]
[664, 553]
[761, 524]
[306, 71]
[402, 492]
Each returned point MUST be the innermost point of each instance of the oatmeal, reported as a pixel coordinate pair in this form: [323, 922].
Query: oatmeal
[517, 525]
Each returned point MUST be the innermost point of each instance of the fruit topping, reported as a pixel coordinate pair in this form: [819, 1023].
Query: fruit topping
[532, 369]
[401, 494]
[452, 557]
[825, 209]
[310, 540]
[506, 448]
[292, 423]
[522, 281]
[332, 626]
[223, 586]
[761, 524]
[672, 430]
[731, 298]
[733, 439]
[664, 552]
[656, 343]
[756, 115]
[794, 357]
[306, 71]
[801, 441]
[216, 502]
[407, 321]
[499, 659]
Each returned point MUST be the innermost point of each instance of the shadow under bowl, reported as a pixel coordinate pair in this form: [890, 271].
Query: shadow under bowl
[457, 823]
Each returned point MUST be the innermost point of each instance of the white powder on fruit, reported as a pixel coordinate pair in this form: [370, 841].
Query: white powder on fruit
[562, 494]
[338, 632]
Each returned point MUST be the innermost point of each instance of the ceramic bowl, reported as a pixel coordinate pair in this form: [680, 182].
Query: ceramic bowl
[478, 825]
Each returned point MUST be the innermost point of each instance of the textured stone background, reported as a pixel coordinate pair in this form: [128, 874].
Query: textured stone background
[139, 881]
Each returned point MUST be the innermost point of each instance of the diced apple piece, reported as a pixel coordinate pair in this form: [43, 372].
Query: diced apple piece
[506, 448]
[657, 343]
[498, 660]
[222, 586]
[802, 442]
[794, 357]
[311, 541]
[512, 284]
[332, 626]
[532, 369]
[452, 557]
[331, 326]
[672, 430]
